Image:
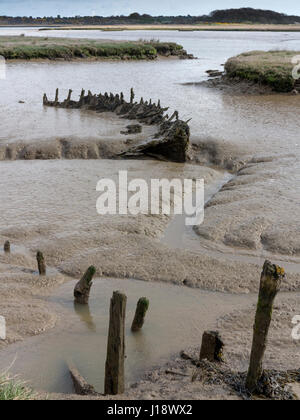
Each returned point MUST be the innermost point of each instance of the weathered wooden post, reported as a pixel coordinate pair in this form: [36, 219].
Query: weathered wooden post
[140, 313]
[83, 287]
[271, 278]
[212, 347]
[7, 247]
[41, 263]
[69, 96]
[132, 95]
[114, 368]
[56, 97]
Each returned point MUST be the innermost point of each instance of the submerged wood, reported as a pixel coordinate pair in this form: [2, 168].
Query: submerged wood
[81, 386]
[83, 287]
[270, 282]
[171, 142]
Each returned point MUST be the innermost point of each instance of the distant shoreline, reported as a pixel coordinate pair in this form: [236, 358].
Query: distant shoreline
[169, 27]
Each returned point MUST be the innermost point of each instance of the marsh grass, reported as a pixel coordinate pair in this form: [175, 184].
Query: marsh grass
[272, 68]
[14, 389]
[27, 48]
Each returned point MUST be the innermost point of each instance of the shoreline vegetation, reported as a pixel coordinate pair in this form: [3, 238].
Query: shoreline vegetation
[271, 68]
[244, 15]
[27, 48]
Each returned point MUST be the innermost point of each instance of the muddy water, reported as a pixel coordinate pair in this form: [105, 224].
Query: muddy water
[265, 127]
[176, 316]
[63, 193]
[253, 120]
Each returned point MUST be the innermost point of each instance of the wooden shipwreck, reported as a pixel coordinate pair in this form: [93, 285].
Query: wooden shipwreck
[171, 142]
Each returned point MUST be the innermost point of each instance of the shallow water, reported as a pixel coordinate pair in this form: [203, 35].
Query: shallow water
[176, 316]
[63, 193]
[241, 120]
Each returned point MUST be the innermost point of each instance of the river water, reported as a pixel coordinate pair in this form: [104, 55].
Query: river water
[176, 316]
[242, 120]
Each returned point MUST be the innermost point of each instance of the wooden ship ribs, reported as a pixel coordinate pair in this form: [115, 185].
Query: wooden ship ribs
[171, 142]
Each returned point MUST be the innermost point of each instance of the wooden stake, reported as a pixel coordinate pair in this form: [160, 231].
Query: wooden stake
[69, 95]
[114, 368]
[56, 96]
[271, 278]
[140, 313]
[83, 287]
[41, 263]
[7, 247]
[132, 95]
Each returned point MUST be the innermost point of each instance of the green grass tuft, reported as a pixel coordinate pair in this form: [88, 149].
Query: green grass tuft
[13, 389]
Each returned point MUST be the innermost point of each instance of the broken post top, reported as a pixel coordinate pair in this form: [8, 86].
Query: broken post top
[91, 271]
[117, 294]
[145, 302]
[271, 278]
[83, 287]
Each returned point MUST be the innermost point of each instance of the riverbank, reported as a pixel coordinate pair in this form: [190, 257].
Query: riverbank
[171, 27]
[27, 48]
[273, 69]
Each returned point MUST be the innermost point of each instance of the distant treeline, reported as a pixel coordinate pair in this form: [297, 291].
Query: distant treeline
[243, 15]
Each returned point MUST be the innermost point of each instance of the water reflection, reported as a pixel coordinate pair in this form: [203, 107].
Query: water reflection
[84, 313]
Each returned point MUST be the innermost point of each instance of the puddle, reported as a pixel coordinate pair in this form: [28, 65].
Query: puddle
[177, 316]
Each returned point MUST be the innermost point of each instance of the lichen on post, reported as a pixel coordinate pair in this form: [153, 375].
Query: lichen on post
[7, 247]
[83, 287]
[114, 368]
[140, 313]
[41, 263]
[271, 279]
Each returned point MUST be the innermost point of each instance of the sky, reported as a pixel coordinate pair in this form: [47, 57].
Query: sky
[125, 7]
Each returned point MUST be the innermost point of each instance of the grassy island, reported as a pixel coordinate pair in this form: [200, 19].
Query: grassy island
[272, 68]
[27, 48]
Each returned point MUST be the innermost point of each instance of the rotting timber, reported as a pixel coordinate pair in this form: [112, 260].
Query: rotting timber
[171, 142]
